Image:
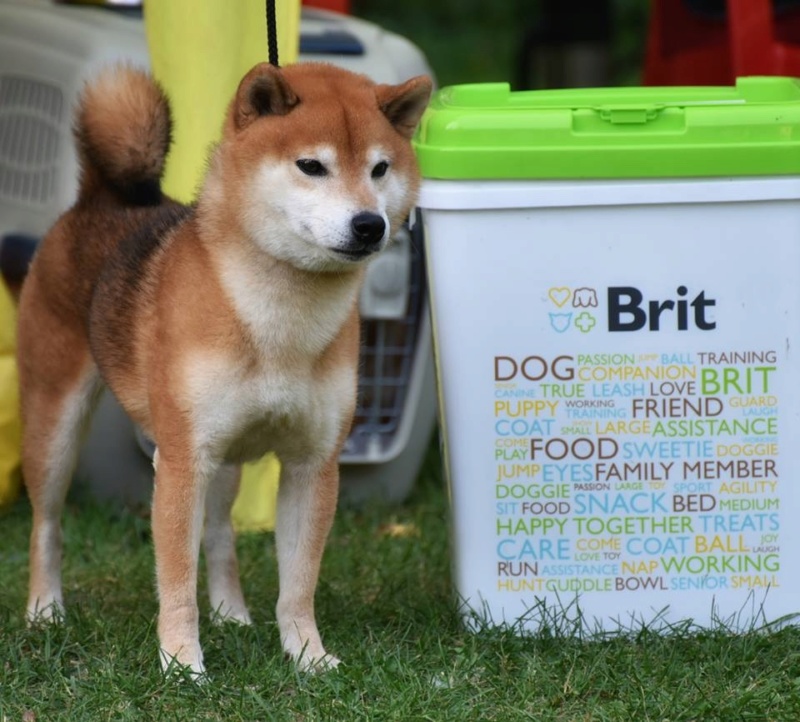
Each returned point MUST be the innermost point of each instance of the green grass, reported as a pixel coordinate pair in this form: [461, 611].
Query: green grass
[387, 607]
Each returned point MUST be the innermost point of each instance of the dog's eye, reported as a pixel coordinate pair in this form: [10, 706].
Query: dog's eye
[309, 166]
[380, 169]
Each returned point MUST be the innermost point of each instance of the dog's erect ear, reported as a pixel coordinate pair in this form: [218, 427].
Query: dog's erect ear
[263, 91]
[404, 104]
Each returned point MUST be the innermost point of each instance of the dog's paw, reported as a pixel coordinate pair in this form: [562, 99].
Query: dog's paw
[318, 665]
[40, 613]
[301, 642]
[239, 615]
[183, 666]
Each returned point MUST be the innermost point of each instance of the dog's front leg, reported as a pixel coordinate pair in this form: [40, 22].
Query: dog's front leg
[306, 506]
[178, 508]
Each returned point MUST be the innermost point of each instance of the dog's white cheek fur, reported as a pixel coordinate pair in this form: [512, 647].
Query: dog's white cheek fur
[392, 191]
[297, 219]
[393, 198]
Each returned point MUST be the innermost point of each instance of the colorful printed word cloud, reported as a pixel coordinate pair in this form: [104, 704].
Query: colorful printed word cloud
[618, 472]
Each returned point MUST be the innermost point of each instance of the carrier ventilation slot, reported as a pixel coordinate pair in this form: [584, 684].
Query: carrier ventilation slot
[31, 115]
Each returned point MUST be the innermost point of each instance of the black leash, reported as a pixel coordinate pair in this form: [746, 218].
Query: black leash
[272, 34]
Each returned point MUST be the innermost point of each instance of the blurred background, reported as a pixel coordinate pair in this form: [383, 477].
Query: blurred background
[520, 41]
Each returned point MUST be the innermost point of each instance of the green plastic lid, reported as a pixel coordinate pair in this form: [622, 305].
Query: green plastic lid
[485, 131]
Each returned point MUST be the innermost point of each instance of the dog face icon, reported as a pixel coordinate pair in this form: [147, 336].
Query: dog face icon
[584, 298]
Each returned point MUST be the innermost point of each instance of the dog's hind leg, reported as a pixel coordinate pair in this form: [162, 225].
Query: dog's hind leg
[58, 394]
[219, 544]
[307, 499]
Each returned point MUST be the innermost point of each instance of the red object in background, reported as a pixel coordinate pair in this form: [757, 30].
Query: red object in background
[338, 6]
[686, 47]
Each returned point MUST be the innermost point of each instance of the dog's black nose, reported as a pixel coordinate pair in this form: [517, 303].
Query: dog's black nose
[368, 228]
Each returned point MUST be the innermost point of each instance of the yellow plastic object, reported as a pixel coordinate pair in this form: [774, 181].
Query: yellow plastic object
[10, 436]
[254, 509]
[199, 52]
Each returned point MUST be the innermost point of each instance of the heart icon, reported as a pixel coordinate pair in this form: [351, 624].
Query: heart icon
[560, 295]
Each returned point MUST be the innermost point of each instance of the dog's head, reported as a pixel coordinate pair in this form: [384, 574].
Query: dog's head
[317, 162]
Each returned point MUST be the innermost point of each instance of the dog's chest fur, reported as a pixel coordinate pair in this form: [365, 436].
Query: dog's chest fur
[294, 384]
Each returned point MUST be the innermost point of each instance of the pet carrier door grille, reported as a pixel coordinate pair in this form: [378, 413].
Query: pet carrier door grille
[388, 347]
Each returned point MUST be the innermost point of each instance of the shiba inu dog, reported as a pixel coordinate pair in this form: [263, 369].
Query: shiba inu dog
[226, 329]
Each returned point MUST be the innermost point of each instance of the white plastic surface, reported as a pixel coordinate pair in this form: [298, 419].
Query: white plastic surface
[494, 195]
[679, 513]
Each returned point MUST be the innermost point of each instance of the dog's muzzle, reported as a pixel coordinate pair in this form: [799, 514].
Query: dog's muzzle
[367, 234]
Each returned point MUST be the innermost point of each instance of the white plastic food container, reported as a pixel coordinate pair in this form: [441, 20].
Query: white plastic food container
[614, 279]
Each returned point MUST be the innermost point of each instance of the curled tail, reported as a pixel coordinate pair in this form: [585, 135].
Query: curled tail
[123, 132]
